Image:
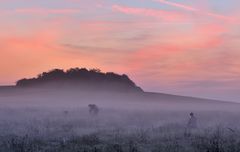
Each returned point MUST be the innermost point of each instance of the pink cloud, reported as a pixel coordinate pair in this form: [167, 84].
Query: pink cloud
[43, 11]
[181, 56]
[26, 56]
[166, 15]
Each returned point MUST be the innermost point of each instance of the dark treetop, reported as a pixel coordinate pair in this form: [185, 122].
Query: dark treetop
[82, 78]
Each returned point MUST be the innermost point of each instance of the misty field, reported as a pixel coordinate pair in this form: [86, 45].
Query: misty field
[74, 130]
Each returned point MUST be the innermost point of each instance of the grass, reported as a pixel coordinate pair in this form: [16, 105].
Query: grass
[152, 140]
[45, 130]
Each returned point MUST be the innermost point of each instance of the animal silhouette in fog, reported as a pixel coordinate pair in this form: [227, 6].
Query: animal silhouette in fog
[66, 112]
[93, 109]
[192, 123]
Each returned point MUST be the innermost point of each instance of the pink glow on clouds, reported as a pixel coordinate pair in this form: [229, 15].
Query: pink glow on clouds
[154, 46]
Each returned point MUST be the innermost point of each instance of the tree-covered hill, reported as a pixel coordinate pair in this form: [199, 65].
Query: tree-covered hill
[81, 78]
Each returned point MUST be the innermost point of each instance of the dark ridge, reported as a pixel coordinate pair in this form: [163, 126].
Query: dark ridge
[83, 78]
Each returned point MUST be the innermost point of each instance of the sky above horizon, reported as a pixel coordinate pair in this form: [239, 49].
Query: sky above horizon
[181, 47]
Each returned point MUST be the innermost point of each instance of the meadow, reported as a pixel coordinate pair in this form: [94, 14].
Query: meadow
[47, 129]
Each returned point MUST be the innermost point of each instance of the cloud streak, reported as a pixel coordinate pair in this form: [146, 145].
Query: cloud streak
[165, 15]
[196, 10]
[186, 7]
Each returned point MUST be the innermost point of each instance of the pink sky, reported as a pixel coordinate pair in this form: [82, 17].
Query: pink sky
[174, 46]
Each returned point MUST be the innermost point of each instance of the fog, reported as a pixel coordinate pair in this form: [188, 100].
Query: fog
[73, 98]
[49, 114]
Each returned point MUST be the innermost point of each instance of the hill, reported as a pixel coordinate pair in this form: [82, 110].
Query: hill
[83, 79]
[82, 86]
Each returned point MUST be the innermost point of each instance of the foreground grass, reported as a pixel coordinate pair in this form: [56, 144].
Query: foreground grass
[30, 130]
[148, 140]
